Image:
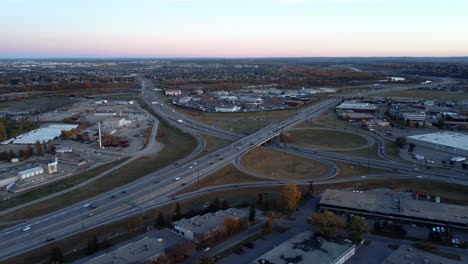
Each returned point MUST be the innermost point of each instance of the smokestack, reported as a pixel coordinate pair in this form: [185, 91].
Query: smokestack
[100, 140]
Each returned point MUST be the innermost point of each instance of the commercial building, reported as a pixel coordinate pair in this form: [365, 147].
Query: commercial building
[30, 172]
[385, 203]
[52, 167]
[356, 116]
[353, 106]
[200, 227]
[407, 255]
[305, 248]
[143, 249]
[450, 142]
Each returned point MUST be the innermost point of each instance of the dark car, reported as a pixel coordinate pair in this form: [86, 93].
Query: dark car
[50, 239]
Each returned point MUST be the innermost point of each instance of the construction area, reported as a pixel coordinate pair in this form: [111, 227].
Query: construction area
[71, 140]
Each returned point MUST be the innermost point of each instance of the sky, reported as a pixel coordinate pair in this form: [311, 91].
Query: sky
[237, 28]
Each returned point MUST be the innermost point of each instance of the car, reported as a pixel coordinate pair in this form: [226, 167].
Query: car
[123, 192]
[190, 167]
[206, 249]
[451, 179]
[86, 205]
[91, 214]
[50, 239]
[113, 196]
[177, 178]
[94, 206]
[26, 228]
[419, 177]
[195, 163]
[363, 177]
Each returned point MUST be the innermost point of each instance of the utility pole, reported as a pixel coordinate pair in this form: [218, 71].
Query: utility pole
[198, 175]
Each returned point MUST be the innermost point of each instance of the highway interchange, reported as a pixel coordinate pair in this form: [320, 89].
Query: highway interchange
[158, 188]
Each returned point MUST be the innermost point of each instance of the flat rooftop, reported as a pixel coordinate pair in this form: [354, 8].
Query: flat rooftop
[203, 223]
[388, 202]
[43, 134]
[451, 139]
[351, 105]
[407, 255]
[302, 248]
[138, 250]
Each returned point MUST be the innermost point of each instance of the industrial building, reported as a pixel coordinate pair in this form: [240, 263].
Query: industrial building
[407, 255]
[63, 149]
[199, 227]
[173, 92]
[385, 203]
[43, 134]
[450, 142]
[30, 172]
[143, 249]
[115, 122]
[228, 109]
[306, 248]
[415, 117]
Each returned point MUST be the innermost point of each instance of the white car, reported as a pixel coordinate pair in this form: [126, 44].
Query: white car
[178, 178]
[190, 167]
[419, 177]
[26, 228]
[86, 205]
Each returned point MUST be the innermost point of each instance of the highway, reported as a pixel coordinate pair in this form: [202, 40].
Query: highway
[157, 188]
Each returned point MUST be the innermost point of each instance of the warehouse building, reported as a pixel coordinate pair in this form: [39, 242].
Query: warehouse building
[43, 134]
[305, 248]
[385, 203]
[353, 106]
[30, 172]
[173, 92]
[449, 142]
[200, 227]
[414, 117]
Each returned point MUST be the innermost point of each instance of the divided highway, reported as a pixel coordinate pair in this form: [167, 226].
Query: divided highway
[157, 188]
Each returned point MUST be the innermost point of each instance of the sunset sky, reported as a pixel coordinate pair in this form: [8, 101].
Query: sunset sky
[237, 28]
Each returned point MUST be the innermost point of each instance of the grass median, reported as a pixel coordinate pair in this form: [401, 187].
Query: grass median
[281, 165]
[323, 138]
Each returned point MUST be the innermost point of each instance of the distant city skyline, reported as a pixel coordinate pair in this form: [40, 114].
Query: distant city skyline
[232, 29]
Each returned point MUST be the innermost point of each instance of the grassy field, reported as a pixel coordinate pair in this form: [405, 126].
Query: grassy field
[227, 175]
[212, 144]
[244, 126]
[427, 95]
[325, 139]
[279, 165]
[349, 170]
[176, 145]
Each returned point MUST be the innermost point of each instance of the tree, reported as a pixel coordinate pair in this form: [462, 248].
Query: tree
[356, 227]
[400, 142]
[57, 255]
[92, 245]
[327, 223]
[252, 213]
[411, 148]
[207, 260]
[177, 212]
[214, 207]
[39, 149]
[259, 199]
[163, 259]
[224, 204]
[3, 133]
[291, 197]
[377, 227]
[160, 220]
[231, 225]
[268, 227]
